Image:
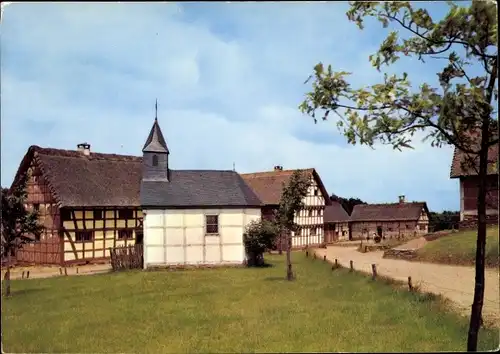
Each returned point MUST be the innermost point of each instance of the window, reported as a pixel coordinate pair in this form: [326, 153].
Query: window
[37, 237]
[421, 227]
[35, 179]
[98, 214]
[84, 236]
[65, 215]
[125, 234]
[155, 160]
[315, 191]
[125, 214]
[36, 207]
[390, 229]
[313, 231]
[310, 213]
[212, 222]
[320, 212]
[407, 226]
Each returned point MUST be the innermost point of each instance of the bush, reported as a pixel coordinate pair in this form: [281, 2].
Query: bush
[259, 236]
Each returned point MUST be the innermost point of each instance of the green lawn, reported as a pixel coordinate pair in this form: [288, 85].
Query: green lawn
[228, 310]
[460, 248]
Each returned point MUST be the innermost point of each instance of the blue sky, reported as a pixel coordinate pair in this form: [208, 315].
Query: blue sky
[228, 78]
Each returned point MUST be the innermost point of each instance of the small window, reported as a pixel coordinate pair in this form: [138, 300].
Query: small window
[37, 237]
[390, 229]
[155, 160]
[65, 215]
[315, 191]
[125, 214]
[212, 224]
[421, 227]
[125, 234]
[320, 212]
[98, 214]
[407, 226]
[84, 236]
[310, 213]
[36, 207]
[313, 231]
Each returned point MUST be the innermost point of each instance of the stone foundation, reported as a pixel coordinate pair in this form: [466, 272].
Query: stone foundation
[400, 254]
[472, 222]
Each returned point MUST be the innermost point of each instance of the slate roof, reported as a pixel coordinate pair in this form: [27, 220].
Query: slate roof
[155, 141]
[407, 211]
[335, 213]
[101, 180]
[188, 188]
[269, 185]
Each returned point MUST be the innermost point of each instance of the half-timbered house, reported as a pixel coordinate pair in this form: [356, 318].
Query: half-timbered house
[268, 186]
[465, 169]
[88, 203]
[392, 220]
[337, 223]
[192, 217]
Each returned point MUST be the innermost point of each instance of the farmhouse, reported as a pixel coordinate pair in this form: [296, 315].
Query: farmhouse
[395, 220]
[337, 223]
[192, 217]
[88, 202]
[465, 170]
[268, 187]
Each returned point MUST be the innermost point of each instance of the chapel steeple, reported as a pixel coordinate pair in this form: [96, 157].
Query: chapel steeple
[155, 154]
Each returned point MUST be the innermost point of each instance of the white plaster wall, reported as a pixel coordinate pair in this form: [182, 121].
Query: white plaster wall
[177, 236]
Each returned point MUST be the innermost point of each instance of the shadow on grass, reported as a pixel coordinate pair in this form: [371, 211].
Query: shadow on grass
[265, 265]
[283, 278]
[20, 292]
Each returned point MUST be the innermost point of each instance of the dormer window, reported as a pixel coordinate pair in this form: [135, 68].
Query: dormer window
[155, 160]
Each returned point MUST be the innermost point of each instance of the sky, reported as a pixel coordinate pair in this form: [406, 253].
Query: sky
[228, 78]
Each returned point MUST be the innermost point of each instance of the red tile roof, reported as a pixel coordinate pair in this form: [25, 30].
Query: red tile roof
[269, 185]
[407, 211]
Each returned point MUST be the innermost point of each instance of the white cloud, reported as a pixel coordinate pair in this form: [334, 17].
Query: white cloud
[228, 82]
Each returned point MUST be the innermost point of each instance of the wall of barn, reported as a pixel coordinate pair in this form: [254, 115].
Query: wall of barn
[468, 198]
[89, 233]
[338, 231]
[390, 229]
[46, 250]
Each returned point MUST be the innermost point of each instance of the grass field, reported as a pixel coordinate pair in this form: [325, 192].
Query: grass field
[228, 310]
[460, 248]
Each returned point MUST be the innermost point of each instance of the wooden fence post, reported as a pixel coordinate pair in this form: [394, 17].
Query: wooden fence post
[65, 271]
[410, 285]
[76, 270]
[60, 270]
[28, 275]
[351, 265]
[374, 271]
[22, 276]
[336, 263]
[307, 253]
[314, 257]
[324, 258]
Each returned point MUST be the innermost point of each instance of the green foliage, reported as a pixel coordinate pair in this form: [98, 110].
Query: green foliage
[392, 111]
[259, 236]
[19, 225]
[447, 220]
[347, 203]
[292, 199]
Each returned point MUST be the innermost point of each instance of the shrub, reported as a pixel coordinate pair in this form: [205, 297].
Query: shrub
[259, 236]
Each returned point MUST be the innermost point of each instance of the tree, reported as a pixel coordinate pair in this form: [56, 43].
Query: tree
[258, 237]
[19, 225]
[292, 200]
[447, 220]
[347, 203]
[459, 111]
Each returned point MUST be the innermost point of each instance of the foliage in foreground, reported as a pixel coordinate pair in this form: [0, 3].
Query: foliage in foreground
[259, 236]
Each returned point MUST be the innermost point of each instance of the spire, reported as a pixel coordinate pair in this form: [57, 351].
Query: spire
[155, 141]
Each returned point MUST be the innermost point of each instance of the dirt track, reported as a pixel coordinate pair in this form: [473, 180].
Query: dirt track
[47, 272]
[453, 282]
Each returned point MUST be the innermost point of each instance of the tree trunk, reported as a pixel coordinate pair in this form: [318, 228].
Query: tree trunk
[280, 243]
[289, 273]
[7, 276]
[477, 304]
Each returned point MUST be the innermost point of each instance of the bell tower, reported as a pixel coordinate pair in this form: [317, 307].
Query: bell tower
[155, 154]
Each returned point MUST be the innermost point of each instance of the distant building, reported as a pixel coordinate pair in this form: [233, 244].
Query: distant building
[269, 185]
[466, 173]
[336, 220]
[402, 219]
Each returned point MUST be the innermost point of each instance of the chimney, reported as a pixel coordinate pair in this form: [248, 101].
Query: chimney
[401, 199]
[278, 168]
[84, 148]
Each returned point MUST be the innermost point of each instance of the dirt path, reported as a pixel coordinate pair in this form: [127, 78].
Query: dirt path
[454, 282]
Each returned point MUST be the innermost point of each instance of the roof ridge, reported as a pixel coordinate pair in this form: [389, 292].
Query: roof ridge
[57, 152]
[277, 171]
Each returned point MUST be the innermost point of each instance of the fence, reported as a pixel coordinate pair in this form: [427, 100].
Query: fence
[126, 257]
